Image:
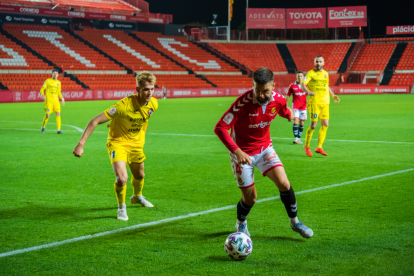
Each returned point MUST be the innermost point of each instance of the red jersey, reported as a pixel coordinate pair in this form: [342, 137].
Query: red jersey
[250, 122]
[299, 97]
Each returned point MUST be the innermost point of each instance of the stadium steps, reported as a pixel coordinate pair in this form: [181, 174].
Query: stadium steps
[75, 79]
[30, 50]
[392, 63]
[161, 53]
[287, 58]
[3, 87]
[206, 80]
[344, 64]
[129, 70]
[232, 62]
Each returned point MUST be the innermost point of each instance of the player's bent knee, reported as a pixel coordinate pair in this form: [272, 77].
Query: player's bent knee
[121, 180]
[47, 115]
[284, 186]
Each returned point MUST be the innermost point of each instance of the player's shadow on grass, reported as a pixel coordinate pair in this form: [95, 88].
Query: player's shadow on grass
[218, 234]
[223, 258]
[276, 238]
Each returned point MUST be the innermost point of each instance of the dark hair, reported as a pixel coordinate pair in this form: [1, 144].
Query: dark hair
[319, 56]
[299, 72]
[55, 70]
[263, 76]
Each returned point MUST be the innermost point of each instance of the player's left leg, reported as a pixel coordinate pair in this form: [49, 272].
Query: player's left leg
[121, 178]
[302, 119]
[324, 128]
[287, 195]
[295, 125]
[137, 181]
[58, 118]
[48, 110]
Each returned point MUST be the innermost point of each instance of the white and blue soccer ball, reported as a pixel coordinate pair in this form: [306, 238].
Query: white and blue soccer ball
[238, 246]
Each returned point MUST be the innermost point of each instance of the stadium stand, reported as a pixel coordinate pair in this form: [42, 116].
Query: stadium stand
[253, 55]
[33, 81]
[373, 57]
[13, 57]
[61, 48]
[407, 60]
[304, 54]
[181, 81]
[403, 79]
[230, 81]
[186, 53]
[128, 51]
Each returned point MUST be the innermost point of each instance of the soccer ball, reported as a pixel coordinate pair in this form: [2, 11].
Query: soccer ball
[238, 246]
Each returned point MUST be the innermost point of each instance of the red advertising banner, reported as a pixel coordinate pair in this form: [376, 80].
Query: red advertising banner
[146, 17]
[265, 19]
[400, 30]
[355, 16]
[371, 89]
[305, 18]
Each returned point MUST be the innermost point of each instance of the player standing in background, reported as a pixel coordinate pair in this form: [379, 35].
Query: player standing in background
[53, 89]
[317, 80]
[298, 105]
[126, 138]
[249, 143]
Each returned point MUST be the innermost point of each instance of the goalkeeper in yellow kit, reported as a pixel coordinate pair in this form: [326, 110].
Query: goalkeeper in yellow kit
[317, 82]
[51, 97]
[129, 120]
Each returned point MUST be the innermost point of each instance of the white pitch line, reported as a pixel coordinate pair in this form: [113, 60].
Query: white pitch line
[88, 237]
[75, 127]
[208, 135]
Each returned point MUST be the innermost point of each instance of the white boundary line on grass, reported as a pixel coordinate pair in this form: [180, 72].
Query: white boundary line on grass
[78, 129]
[55, 244]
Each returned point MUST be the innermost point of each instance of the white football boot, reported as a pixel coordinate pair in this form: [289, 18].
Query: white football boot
[122, 214]
[242, 227]
[140, 200]
[303, 230]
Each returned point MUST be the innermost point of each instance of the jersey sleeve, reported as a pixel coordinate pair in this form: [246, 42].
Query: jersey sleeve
[227, 122]
[283, 110]
[117, 109]
[307, 78]
[43, 88]
[290, 90]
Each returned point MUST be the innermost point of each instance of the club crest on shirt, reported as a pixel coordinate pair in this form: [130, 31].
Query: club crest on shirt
[273, 111]
[57, 84]
[150, 112]
[326, 76]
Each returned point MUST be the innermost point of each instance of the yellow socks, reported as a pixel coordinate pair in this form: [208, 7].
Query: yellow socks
[58, 122]
[120, 193]
[138, 185]
[45, 119]
[322, 135]
[309, 134]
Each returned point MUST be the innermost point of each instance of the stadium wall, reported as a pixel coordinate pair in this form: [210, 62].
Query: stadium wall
[7, 96]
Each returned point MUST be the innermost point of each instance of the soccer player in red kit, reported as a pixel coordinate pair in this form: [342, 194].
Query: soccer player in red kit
[298, 105]
[249, 143]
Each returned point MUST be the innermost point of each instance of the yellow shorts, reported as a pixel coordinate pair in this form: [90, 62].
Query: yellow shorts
[318, 111]
[52, 107]
[124, 151]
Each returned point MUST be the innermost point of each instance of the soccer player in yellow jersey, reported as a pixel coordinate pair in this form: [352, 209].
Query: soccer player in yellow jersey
[129, 120]
[53, 89]
[317, 82]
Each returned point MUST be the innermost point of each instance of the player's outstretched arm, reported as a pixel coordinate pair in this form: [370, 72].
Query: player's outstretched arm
[100, 119]
[335, 97]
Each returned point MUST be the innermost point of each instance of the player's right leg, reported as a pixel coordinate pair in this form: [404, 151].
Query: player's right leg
[121, 178]
[243, 173]
[287, 195]
[48, 110]
[137, 181]
[295, 125]
[118, 156]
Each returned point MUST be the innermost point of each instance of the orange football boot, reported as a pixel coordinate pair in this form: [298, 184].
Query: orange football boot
[308, 151]
[320, 150]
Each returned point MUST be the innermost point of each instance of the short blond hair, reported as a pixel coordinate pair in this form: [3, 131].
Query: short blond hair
[143, 77]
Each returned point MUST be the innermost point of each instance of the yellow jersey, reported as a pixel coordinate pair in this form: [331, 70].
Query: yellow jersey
[318, 83]
[129, 120]
[53, 90]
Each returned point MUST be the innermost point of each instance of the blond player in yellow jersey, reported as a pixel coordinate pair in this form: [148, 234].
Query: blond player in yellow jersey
[51, 97]
[316, 84]
[129, 120]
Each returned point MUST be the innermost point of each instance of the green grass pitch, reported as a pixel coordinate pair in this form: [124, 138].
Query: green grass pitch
[361, 228]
